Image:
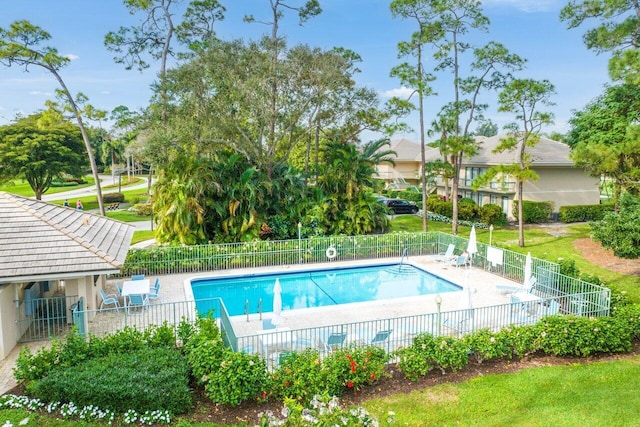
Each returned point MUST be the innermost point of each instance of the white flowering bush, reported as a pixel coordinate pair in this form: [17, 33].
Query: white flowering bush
[87, 413]
[322, 411]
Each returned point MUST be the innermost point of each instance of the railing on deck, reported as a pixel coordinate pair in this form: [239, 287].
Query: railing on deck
[188, 259]
[109, 320]
[44, 318]
[394, 333]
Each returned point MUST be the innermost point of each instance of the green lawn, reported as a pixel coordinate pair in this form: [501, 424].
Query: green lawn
[594, 394]
[22, 188]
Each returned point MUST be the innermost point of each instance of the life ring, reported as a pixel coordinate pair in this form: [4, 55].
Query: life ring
[331, 252]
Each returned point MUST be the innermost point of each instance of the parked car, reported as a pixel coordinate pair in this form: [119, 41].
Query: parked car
[401, 206]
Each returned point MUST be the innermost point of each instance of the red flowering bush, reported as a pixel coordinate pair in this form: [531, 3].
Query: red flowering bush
[353, 368]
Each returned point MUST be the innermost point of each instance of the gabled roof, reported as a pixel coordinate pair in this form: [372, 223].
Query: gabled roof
[42, 241]
[545, 153]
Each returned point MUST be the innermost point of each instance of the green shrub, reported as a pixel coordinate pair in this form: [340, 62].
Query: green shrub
[568, 267]
[631, 314]
[468, 210]
[113, 198]
[204, 349]
[238, 377]
[427, 352]
[440, 207]
[143, 209]
[354, 368]
[300, 376]
[534, 212]
[34, 366]
[145, 380]
[583, 213]
[486, 345]
[522, 339]
[276, 228]
[584, 336]
[412, 196]
[492, 214]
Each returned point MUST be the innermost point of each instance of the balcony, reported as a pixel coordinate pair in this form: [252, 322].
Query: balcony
[501, 187]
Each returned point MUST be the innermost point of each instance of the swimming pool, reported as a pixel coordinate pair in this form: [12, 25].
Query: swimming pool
[319, 288]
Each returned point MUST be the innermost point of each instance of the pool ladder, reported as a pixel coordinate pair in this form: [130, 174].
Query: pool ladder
[405, 254]
[246, 308]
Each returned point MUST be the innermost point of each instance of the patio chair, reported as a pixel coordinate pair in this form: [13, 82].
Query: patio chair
[523, 312]
[108, 299]
[137, 300]
[334, 341]
[551, 308]
[448, 255]
[381, 339]
[137, 277]
[119, 288]
[154, 292]
[514, 289]
[460, 261]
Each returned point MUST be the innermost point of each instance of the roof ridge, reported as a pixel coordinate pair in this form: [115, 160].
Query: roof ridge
[19, 200]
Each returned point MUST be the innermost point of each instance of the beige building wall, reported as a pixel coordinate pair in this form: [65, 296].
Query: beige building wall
[8, 329]
[563, 187]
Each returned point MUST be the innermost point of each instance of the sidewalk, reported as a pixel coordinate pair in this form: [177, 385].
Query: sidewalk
[7, 381]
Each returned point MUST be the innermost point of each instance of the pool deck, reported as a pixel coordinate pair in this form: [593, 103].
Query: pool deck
[482, 284]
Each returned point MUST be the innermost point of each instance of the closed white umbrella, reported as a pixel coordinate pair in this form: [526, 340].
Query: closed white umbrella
[472, 246]
[277, 303]
[527, 271]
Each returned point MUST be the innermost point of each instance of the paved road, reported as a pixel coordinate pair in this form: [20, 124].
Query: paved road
[105, 181]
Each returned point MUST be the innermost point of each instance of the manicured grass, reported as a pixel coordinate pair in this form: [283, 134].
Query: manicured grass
[22, 188]
[595, 394]
[141, 236]
[127, 216]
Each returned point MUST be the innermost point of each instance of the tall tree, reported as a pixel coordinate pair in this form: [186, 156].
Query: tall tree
[41, 148]
[604, 137]
[618, 32]
[414, 75]
[347, 182]
[21, 45]
[488, 71]
[221, 100]
[153, 38]
[276, 44]
[523, 98]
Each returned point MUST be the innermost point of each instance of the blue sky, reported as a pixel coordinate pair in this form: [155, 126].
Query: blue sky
[530, 28]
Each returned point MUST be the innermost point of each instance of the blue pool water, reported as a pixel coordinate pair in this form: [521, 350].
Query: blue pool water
[320, 288]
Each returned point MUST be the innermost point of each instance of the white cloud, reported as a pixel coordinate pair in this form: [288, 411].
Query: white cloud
[106, 92]
[401, 92]
[71, 56]
[40, 93]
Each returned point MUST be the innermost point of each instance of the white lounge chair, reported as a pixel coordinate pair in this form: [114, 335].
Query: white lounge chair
[448, 255]
[513, 289]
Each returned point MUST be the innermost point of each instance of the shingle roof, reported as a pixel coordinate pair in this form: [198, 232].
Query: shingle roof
[42, 240]
[545, 153]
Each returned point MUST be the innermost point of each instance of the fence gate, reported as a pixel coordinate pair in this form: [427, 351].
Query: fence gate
[44, 318]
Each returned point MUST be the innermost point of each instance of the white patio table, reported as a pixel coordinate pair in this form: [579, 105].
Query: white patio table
[133, 287]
